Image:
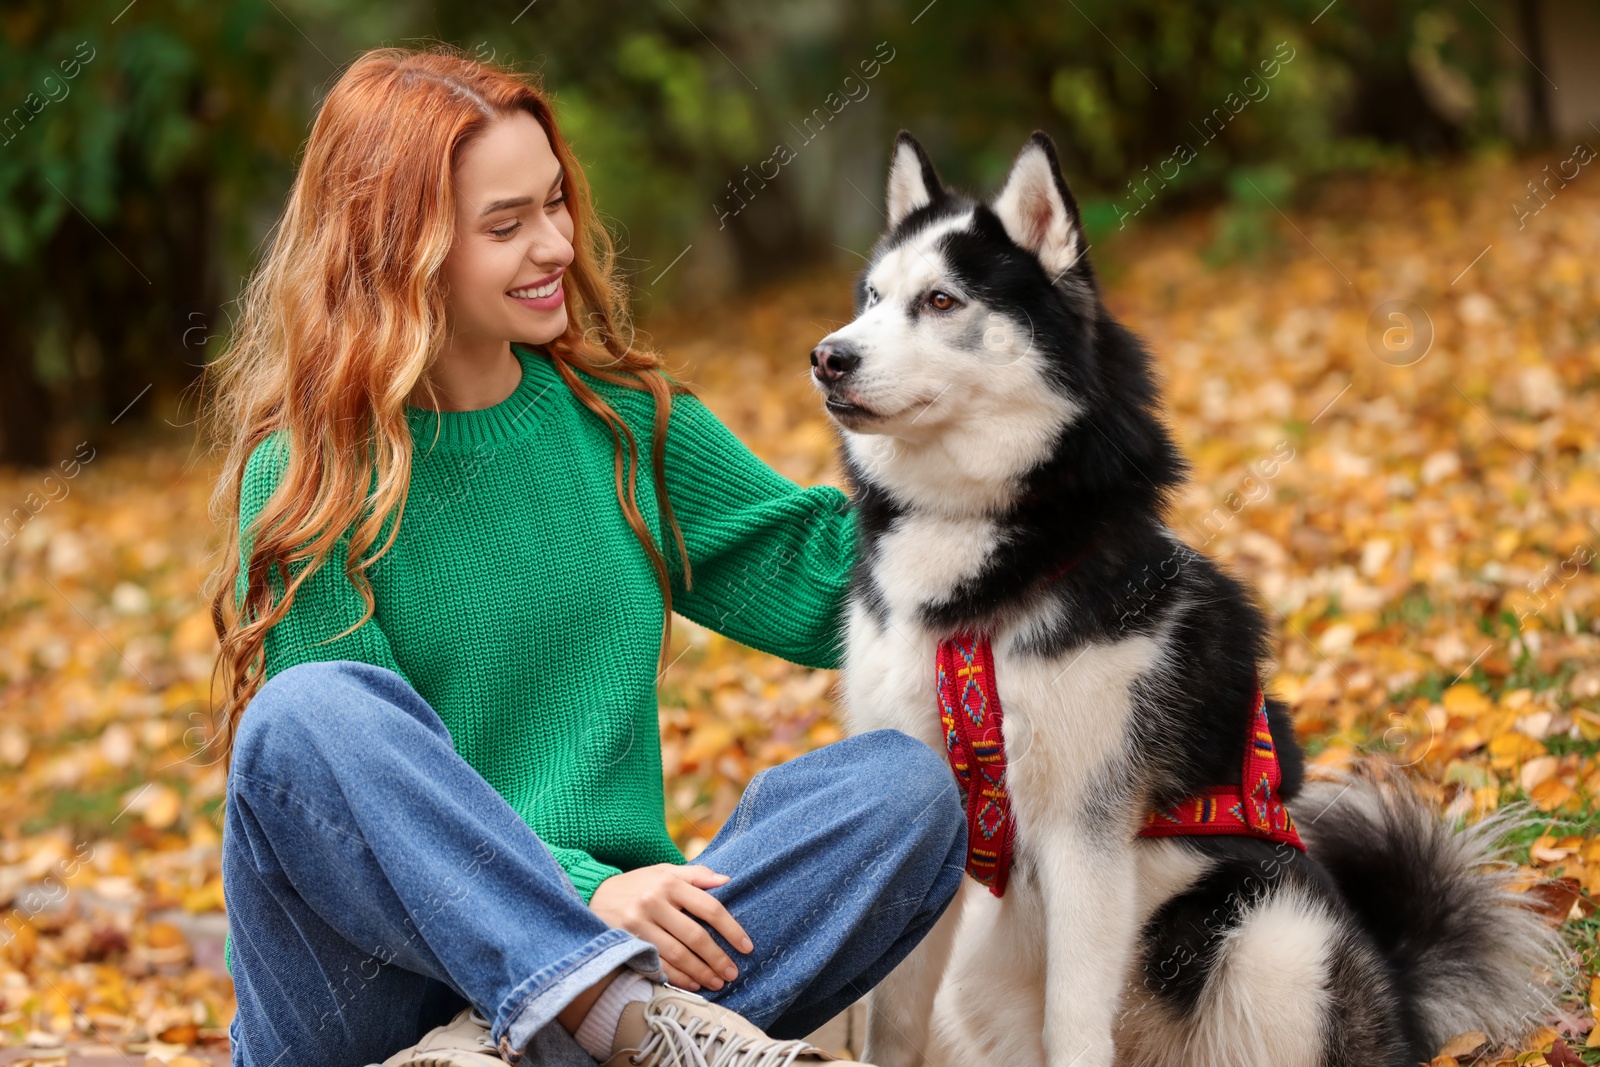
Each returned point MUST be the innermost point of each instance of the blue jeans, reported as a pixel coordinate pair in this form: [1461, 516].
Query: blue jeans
[376, 884]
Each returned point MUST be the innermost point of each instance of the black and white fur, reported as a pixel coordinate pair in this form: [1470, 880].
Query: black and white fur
[997, 421]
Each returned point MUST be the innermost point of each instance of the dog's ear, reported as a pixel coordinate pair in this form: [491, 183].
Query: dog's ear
[1037, 208]
[913, 182]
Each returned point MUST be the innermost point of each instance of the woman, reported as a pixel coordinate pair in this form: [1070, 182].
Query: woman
[444, 616]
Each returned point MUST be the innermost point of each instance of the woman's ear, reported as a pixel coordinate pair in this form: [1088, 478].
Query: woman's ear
[913, 183]
[1037, 208]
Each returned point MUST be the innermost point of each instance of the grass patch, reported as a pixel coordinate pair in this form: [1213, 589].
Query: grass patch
[90, 812]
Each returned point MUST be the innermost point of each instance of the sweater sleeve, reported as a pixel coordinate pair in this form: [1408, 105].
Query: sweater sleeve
[585, 871]
[770, 561]
[325, 605]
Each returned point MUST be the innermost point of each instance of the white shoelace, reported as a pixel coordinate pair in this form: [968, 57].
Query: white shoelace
[685, 1045]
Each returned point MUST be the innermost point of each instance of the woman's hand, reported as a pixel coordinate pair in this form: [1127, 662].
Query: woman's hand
[651, 903]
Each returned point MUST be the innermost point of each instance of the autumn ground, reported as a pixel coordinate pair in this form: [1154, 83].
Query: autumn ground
[1422, 526]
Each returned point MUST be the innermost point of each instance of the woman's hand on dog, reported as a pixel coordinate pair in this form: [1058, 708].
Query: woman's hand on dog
[652, 902]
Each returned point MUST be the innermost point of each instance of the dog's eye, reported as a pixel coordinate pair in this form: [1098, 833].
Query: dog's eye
[872, 296]
[940, 300]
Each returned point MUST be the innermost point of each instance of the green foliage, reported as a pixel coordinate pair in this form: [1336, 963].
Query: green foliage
[153, 172]
[102, 104]
[1245, 227]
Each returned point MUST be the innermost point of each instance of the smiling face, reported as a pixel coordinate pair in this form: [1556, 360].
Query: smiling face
[513, 238]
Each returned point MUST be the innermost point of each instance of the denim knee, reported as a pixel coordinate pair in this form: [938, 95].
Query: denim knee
[920, 789]
[323, 706]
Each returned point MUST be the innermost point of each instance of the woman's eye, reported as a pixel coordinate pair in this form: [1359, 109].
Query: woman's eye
[940, 300]
[557, 202]
[506, 231]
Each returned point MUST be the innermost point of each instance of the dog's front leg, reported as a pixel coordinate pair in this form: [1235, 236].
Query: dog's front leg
[1091, 925]
[900, 1007]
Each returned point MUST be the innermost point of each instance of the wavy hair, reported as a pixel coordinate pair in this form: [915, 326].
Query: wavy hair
[346, 313]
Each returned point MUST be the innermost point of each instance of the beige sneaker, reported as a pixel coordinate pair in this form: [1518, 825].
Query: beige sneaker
[462, 1042]
[676, 1028]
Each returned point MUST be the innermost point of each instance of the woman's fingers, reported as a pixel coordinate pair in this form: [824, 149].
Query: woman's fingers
[704, 905]
[698, 874]
[690, 933]
[678, 978]
[660, 904]
[682, 967]
[685, 945]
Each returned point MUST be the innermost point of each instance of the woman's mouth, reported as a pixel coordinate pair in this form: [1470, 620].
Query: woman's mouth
[541, 296]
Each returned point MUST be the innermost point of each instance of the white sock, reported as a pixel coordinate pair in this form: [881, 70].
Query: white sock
[599, 1028]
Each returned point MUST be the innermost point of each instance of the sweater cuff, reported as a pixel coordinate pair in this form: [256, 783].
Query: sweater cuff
[585, 871]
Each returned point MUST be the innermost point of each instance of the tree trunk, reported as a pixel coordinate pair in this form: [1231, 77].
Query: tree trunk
[1531, 18]
[24, 404]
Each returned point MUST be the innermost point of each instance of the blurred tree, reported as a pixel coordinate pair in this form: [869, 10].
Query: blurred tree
[145, 148]
[140, 150]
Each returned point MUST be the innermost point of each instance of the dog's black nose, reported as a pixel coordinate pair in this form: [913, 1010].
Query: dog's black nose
[831, 361]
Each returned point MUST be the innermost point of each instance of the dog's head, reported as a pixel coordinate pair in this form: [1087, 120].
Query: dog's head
[973, 342]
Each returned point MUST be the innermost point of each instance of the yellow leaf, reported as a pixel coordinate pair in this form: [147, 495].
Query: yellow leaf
[1537, 771]
[207, 898]
[1464, 1044]
[708, 742]
[825, 733]
[195, 634]
[1465, 699]
[164, 935]
[1551, 794]
[1543, 1039]
[162, 807]
[182, 1034]
[1510, 749]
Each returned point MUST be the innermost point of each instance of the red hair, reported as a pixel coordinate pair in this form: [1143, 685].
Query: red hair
[344, 316]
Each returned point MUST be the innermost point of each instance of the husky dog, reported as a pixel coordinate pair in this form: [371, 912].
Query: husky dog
[1012, 473]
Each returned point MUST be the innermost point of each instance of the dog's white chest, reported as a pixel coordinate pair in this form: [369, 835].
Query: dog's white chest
[891, 678]
[1064, 718]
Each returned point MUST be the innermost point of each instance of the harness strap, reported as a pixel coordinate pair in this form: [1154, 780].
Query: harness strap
[971, 718]
[1253, 808]
[969, 711]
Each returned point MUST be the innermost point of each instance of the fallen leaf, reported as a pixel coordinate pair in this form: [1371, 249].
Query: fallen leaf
[1560, 1055]
[182, 1034]
[1555, 898]
[1463, 1045]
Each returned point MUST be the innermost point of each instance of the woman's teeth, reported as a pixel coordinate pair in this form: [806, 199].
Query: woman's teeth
[536, 292]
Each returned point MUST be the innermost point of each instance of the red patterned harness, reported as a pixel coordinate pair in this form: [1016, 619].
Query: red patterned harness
[1253, 808]
[971, 717]
[969, 711]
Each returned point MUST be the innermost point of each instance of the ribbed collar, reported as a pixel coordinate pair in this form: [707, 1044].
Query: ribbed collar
[513, 417]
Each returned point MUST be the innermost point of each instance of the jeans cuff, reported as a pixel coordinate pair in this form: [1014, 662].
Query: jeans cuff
[540, 997]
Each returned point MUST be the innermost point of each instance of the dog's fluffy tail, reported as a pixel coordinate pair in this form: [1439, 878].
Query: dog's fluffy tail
[1467, 951]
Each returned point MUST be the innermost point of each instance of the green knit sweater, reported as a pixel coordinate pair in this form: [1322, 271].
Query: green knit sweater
[518, 602]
